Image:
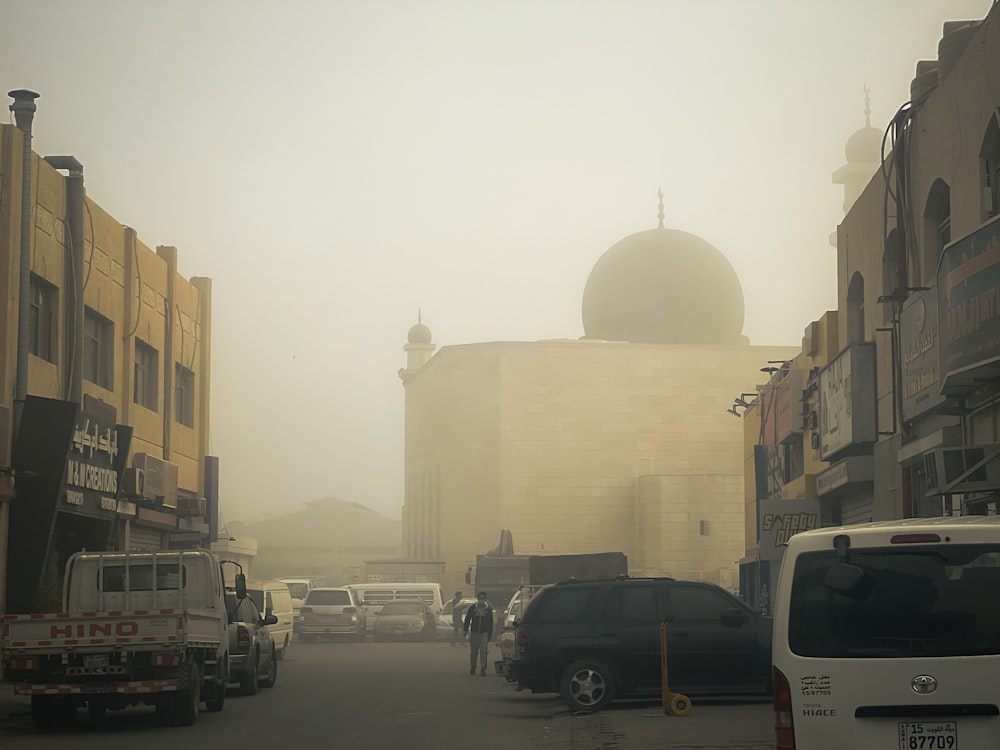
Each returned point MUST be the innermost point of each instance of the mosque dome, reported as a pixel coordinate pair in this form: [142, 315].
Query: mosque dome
[419, 333]
[664, 286]
[864, 146]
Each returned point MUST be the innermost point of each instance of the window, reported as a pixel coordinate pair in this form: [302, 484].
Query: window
[42, 319]
[631, 604]
[856, 309]
[937, 222]
[144, 385]
[321, 597]
[183, 395]
[938, 601]
[696, 603]
[562, 605]
[403, 608]
[990, 155]
[98, 348]
[140, 577]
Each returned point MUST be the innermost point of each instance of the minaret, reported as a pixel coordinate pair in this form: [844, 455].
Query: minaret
[419, 349]
[864, 155]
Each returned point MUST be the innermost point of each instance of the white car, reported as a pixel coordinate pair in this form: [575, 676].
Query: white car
[444, 625]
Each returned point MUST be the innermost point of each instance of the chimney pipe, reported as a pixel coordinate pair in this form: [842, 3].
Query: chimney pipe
[75, 196]
[23, 108]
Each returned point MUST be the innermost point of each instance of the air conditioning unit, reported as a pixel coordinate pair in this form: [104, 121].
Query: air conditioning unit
[967, 468]
[190, 506]
[161, 479]
[133, 482]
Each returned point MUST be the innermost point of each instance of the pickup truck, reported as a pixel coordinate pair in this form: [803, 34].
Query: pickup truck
[135, 628]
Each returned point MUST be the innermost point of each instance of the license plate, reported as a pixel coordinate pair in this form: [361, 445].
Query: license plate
[96, 661]
[928, 735]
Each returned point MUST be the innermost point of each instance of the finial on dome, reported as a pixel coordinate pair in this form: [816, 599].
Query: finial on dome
[420, 318]
[868, 108]
[660, 214]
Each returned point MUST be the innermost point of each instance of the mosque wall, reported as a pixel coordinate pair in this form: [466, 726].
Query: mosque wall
[550, 440]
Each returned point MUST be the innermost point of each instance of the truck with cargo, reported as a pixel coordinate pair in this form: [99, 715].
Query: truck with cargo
[135, 628]
[500, 576]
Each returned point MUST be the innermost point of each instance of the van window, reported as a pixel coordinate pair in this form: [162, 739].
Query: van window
[298, 590]
[403, 608]
[321, 596]
[922, 601]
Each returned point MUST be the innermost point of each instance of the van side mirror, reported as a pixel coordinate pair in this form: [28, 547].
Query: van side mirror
[241, 586]
[270, 620]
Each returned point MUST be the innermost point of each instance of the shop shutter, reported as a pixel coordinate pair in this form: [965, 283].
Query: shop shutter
[857, 509]
[145, 539]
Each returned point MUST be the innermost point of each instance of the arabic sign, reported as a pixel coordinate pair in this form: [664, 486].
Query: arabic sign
[847, 414]
[780, 520]
[968, 283]
[919, 348]
[95, 461]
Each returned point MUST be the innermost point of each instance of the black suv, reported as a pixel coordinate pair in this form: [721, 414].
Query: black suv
[593, 641]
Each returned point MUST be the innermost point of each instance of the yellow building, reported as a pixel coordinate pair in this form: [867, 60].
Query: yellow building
[105, 369]
[619, 441]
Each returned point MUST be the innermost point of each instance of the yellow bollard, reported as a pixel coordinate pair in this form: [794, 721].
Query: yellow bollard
[677, 704]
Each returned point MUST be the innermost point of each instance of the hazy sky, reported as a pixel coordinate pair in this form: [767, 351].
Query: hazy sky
[336, 166]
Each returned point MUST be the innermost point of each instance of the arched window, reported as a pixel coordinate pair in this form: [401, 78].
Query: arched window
[937, 225]
[990, 166]
[856, 309]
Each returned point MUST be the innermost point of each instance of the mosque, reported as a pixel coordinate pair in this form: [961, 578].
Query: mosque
[617, 441]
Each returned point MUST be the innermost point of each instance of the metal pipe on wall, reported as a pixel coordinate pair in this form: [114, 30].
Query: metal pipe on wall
[75, 197]
[23, 108]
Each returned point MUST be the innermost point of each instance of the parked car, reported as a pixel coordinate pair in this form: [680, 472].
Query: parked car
[405, 619]
[332, 612]
[592, 641]
[444, 622]
[299, 587]
[253, 662]
[274, 598]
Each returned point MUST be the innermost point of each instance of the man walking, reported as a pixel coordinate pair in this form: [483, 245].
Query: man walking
[456, 619]
[479, 626]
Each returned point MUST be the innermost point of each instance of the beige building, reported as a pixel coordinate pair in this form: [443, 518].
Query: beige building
[105, 367]
[619, 441]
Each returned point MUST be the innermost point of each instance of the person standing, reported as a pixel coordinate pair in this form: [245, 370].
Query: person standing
[479, 626]
[457, 616]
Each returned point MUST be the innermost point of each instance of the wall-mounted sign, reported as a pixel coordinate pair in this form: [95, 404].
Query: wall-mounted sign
[781, 409]
[968, 285]
[780, 520]
[847, 414]
[919, 351]
[95, 460]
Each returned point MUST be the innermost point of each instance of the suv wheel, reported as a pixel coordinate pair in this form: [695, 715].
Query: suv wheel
[587, 685]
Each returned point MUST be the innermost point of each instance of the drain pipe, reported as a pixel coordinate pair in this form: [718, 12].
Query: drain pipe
[24, 114]
[75, 197]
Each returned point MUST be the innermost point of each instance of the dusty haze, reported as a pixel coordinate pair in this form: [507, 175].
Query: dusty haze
[336, 166]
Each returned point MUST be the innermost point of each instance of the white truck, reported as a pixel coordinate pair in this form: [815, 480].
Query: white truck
[136, 628]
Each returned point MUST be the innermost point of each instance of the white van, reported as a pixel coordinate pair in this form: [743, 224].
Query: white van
[887, 635]
[274, 598]
[373, 595]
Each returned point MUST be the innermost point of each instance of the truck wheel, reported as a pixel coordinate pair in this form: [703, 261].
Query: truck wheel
[250, 682]
[188, 698]
[217, 699]
[272, 672]
[587, 686]
[96, 710]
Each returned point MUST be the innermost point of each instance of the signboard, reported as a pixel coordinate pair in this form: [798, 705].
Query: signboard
[968, 284]
[847, 414]
[781, 409]
[95, 461]
[780, 520]
[919, 349]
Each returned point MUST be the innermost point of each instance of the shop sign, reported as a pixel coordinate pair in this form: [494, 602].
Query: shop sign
[98, 449]
[780, 520]
[847, 414]
[781, 409]
[968, 284]
[919, 350]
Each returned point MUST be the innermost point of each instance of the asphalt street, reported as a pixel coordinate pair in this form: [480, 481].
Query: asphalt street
[373, 696]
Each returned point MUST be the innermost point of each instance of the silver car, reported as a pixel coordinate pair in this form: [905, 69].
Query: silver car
[331, 613]
[405, 619]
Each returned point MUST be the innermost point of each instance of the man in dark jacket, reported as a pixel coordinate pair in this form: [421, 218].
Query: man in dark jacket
[479, 626]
